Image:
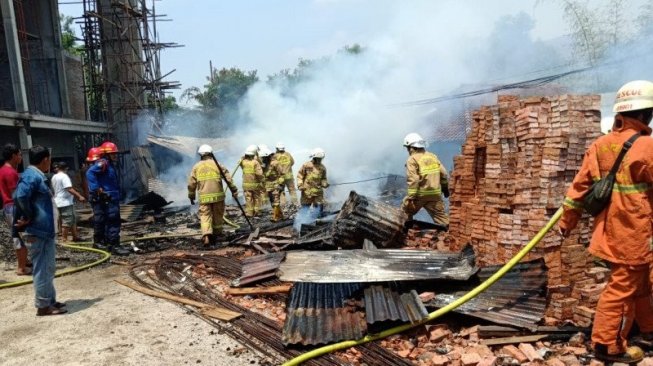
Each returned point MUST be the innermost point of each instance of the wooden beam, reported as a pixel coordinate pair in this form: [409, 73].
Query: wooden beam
[210, 310]
[512, 340]
[281, 289]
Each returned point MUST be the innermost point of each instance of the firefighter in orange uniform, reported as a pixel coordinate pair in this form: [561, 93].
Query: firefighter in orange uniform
[206, 179]
[623, 231]
[427, 181]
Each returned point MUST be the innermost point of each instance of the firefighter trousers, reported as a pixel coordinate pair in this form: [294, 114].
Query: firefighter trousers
[252, 202]
[106, 223]
[626, 298]
[211, 218]
[289, 184]
[434, 205]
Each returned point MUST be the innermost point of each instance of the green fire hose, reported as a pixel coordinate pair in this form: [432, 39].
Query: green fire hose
[458, 302]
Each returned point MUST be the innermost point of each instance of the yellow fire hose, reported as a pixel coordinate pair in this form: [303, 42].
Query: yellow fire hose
[468, 296]
[105, 256]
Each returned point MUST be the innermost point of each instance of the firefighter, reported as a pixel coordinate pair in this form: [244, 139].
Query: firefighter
[263, 201]
[253, 181]
[274, 179]
[205, 177]
[286, 162]
[312, 180]
[622, 232]
[104, 192]
[427, 181]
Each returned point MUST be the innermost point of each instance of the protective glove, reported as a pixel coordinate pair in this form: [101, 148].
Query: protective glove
[234, 194]
[325, 185]
[445, 191]
[192, 201]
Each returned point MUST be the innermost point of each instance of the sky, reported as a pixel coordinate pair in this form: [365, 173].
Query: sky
[269, 36]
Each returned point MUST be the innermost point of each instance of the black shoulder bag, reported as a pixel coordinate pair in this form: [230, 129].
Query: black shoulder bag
[598, 196]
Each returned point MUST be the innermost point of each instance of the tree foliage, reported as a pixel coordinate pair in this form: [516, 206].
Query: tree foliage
[68, 38]
[224, 89]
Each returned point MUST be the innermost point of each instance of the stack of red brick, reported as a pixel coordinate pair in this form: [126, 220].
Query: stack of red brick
[515, 167]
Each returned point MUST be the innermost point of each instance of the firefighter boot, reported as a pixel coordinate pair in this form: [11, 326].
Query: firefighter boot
[277, 215]
[633, 354]
[206, 240]
[21, 256]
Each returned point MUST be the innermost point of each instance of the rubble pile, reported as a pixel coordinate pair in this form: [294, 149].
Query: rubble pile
[515, 167]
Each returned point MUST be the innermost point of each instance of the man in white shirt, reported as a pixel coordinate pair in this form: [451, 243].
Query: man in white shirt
[64, 197]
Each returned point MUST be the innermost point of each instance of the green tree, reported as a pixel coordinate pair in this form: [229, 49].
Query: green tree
[68, 38]
[224, 89]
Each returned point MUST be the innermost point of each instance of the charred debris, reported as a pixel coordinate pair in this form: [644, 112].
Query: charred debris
[356, 271]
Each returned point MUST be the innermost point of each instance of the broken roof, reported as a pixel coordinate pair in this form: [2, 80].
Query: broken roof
[360, 265]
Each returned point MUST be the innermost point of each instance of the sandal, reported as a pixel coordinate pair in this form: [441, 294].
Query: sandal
[50, 310]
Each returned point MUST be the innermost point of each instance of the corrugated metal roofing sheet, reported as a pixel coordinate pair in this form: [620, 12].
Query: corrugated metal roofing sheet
[323, 313]
[359, 265]
[516, 299]
[385, 302]
[258, 267]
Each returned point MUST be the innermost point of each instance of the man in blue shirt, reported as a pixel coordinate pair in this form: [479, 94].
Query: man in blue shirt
[35, 215]
[104, 195]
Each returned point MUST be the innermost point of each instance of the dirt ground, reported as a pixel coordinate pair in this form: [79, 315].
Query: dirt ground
[108, 324]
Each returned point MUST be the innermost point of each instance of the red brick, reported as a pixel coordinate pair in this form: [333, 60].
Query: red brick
[515, 353]
[438, 333]
[440, 360]
[488, 361]
[553, 361]
[427, 296]
[470, 359]
[530, 352]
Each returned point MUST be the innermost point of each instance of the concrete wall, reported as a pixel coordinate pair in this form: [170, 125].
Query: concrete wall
[75, 83]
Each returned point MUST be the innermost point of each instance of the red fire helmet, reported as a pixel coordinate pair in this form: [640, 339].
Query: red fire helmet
[109, 147]
[94, 154]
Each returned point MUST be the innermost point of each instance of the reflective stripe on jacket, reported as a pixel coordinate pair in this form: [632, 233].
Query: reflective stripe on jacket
[286, 162]
[623, 232]
[205, 178]
[312, 179]
[425, 175]
[252, 174]
[273, 176]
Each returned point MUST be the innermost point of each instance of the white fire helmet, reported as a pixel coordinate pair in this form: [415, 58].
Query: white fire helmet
[251, 150]
[317, 153]
[204, 150]
[265, 152]
[414, 140]
[262, 147]
[280, 146]
[633, 96]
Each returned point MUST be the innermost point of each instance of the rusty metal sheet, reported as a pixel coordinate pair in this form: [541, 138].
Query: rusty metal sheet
[359, 265]
[387, 302]
[320, 313]
[258, 268]
[517, 299]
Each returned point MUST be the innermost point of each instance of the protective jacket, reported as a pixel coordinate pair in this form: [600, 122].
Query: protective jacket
[206, 179]
[312, 179]
[274, 176]
[426, 176]
[286, 162]
[623, 231]
[253, 179]
[102, 174]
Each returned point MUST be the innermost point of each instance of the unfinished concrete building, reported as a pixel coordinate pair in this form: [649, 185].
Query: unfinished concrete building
[37, 83]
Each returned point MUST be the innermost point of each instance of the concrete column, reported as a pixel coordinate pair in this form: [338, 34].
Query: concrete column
[17, 76]
[13, 52]
[58, 53]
